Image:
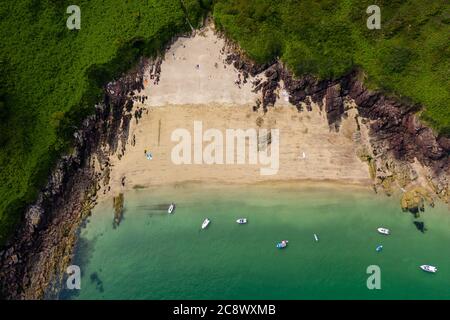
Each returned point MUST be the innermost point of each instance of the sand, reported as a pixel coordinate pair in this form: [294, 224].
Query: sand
[209, 94]
[213, 81]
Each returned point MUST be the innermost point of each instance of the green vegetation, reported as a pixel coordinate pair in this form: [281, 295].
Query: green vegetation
[408, 57]
[50, 77]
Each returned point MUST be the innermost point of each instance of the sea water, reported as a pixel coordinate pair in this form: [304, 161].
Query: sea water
[156, 255]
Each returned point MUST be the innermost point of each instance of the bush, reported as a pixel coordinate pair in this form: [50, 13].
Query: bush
[53, 76]
[395, 59]
[408, 56]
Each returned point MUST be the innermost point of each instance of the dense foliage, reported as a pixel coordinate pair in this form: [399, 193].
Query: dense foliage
[408, 57]
[50, 77]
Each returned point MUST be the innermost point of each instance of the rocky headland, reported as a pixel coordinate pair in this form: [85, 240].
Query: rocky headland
[35, 259]
[403, 152]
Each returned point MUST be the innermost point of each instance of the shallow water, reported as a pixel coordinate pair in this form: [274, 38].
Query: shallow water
[153, 255]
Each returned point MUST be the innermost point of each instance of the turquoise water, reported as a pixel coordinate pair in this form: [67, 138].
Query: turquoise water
[153, 255]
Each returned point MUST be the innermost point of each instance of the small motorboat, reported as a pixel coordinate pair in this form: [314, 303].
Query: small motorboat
[428, 268]
[316, 237]
[384, 231]
[242, 220]
[171, 208]
[282, 244]
[379, 248]
[205, 223]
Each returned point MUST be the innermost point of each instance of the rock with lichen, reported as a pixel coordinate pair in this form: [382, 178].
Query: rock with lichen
[414, 200]
[118, 209]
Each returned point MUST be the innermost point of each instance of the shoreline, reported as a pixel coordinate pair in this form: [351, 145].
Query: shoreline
[32, 262]
[197, 84]
[150, 239]
[298, 182]
[214, 185]
[329, 156]
[218, 184]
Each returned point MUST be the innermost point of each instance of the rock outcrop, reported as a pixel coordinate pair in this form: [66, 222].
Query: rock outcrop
[35, 259]
[398, 138]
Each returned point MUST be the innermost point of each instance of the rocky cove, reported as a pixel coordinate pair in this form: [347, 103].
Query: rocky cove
[402, 152]
[398, 138]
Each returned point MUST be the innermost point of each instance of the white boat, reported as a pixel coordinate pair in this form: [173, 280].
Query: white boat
[428, 268]
[205, 223]
[316, 237]
[171, 208]
[242, 220]
[282, 244]
[383, 231]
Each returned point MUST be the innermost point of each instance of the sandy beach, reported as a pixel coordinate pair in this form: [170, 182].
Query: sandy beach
[197, 86]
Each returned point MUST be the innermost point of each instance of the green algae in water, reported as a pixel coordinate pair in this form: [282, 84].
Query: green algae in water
[154, 255]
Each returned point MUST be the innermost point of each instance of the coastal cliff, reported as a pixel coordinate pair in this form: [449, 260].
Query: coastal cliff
[398, 139]
[35, 259]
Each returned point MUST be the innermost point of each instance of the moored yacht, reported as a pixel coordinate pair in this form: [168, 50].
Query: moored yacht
[428, 268]
[384, 231]
[205, 223]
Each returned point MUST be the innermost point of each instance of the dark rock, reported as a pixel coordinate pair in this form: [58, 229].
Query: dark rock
[32, 260]
[444, 143]
[334, 105]
[420, 226]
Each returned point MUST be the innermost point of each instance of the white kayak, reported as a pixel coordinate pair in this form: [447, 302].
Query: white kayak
[171, 208]
[205, 223]
[242, 220]
[384, 231]
[428, 268]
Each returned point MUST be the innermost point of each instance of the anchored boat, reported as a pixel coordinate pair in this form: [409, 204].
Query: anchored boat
[384, 231]
[171, 208]
[282, 244]
[242, 220]
[205, 223]
[428, 268]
